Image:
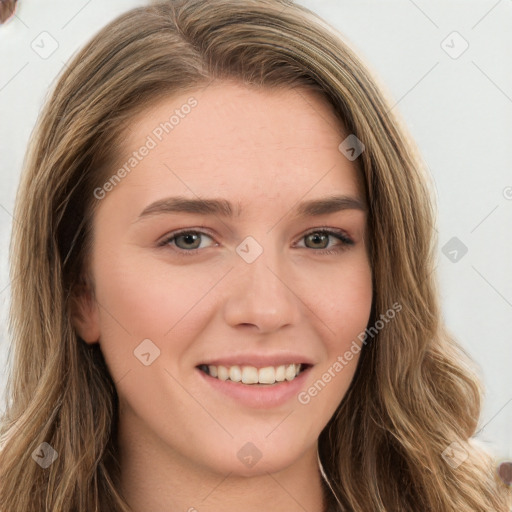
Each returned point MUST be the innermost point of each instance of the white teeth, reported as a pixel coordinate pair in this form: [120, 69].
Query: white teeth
[280, 373]
[249, 375]
[222, 373]
[235, 374]
[290, 372]
[267, 375]
[253, 375]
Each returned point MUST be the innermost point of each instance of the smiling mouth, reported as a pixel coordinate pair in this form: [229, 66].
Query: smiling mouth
[269, 375]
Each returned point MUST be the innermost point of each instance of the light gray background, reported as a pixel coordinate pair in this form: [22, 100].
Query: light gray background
[459, 110]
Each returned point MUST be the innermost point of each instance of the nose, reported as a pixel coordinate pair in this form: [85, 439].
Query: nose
[262, 294]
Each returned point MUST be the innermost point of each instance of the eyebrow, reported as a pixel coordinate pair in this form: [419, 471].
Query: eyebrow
[223, 208]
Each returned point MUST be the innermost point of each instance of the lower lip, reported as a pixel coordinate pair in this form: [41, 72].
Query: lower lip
[259, 396]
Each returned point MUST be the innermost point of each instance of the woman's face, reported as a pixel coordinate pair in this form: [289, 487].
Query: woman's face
[253, 281]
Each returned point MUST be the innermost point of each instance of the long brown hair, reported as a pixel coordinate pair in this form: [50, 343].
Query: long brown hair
[415, 391]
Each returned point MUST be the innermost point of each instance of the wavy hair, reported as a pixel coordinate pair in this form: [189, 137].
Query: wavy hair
[415, 390]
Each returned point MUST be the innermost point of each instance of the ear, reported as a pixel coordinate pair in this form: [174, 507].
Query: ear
[85, 313]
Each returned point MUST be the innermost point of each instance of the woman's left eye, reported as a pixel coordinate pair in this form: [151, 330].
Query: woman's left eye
[188, 242]
[324, 235]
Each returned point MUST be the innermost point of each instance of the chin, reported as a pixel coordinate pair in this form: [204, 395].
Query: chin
[255, 455]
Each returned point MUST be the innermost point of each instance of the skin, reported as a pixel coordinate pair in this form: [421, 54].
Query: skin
[178, 437]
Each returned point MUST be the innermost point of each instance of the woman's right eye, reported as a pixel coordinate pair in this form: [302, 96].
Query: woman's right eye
[186, 242]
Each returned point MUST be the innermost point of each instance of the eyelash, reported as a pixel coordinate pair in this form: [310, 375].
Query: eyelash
[340, 235]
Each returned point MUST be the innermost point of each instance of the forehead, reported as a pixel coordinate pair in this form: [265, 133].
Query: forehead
[229, 137]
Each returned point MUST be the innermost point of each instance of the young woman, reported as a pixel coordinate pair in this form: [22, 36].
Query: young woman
[223, 293]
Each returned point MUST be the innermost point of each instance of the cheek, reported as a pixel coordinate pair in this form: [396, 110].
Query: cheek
[149, 301]
[149, 298]
[345, 308]
[344, 302]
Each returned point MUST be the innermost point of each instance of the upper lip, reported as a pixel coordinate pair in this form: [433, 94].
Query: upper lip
[258, 360]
